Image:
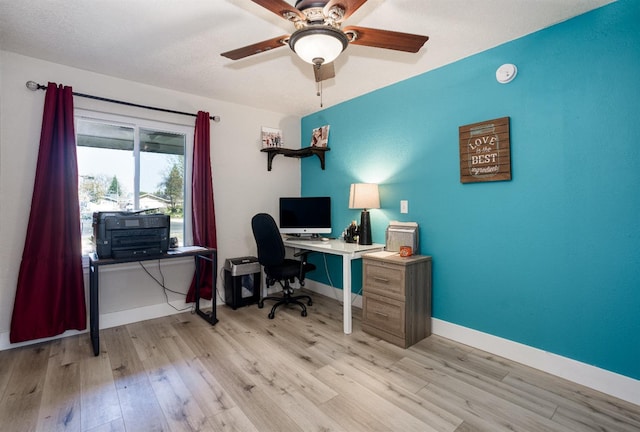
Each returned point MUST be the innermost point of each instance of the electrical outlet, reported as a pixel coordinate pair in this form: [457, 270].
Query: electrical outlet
[404, 206]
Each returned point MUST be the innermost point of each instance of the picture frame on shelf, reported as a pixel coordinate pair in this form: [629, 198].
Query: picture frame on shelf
[271, 138]
[320, 137]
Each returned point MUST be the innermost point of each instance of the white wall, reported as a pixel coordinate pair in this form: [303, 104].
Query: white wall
[242, 185]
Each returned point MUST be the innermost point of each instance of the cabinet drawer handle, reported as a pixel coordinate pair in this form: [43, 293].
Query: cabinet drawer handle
[380, 279]
[382, 314]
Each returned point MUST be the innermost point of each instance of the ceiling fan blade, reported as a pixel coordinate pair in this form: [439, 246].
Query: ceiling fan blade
[256, 48]
[349, 6]
[385, 39]
[282, 9]
[324, 71]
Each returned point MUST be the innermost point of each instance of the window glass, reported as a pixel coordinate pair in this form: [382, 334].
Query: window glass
[162, 176]
[134, 166]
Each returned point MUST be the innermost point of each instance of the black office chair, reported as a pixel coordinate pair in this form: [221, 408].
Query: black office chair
[277, 268]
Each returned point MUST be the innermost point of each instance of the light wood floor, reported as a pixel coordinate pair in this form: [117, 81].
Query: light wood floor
[249, 373]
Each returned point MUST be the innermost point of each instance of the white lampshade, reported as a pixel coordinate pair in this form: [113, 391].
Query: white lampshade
[319, 44]
[364, 196]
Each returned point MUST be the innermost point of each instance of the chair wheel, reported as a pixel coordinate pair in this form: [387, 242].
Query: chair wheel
[260, 304]
[309, 303]
[272, 315]
[304, 313]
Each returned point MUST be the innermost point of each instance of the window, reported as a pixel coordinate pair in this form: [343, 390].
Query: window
[130, 164]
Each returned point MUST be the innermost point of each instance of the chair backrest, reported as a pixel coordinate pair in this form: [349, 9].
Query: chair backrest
[268, 239]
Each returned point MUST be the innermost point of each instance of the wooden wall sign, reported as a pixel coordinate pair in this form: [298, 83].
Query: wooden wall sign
[485, 151]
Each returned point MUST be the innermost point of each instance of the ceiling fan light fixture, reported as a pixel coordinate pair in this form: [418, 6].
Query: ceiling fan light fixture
[318, 44]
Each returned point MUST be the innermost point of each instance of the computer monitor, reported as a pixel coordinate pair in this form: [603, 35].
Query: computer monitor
[305, 216]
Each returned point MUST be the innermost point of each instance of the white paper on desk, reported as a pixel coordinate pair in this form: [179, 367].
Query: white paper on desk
[383, 254]
[183, 249]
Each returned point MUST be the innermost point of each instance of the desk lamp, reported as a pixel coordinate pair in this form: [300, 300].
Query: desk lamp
[364, 196]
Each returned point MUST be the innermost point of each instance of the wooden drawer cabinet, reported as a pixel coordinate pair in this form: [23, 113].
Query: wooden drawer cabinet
[396, 299]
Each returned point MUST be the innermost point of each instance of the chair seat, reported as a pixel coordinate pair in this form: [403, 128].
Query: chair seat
[288, 269]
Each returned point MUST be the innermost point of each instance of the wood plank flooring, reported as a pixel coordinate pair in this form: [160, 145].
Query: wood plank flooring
[248, 373]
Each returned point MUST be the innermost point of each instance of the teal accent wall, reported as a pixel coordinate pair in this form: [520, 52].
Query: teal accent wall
[550, 259]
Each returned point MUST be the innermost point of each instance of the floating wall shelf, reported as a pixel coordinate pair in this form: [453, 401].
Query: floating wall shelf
[298, 153]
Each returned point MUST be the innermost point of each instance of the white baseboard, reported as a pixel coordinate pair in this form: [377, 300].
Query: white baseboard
[5, 344]
[611, 383]
[114, 319]
[335, 293]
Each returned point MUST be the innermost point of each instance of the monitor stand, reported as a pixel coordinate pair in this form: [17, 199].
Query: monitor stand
[311, 237]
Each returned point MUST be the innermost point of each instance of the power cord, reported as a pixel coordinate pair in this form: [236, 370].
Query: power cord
[221, 278]
[326, 270]
[165, 289]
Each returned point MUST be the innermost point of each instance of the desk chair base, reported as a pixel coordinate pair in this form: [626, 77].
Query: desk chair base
[286, 299]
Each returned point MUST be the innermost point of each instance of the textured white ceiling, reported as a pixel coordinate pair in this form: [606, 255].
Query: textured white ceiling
[177, 44]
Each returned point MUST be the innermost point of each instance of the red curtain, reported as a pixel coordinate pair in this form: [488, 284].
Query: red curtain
[50, 290]
[203, 214]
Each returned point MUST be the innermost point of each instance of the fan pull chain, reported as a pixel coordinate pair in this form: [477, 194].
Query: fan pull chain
[319, 92]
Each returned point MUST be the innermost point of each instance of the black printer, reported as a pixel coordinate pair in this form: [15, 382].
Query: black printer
[128, 235]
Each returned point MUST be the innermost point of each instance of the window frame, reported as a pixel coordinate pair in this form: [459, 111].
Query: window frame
[138, 123]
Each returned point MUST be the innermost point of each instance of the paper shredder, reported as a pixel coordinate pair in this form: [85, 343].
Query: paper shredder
[241, 281]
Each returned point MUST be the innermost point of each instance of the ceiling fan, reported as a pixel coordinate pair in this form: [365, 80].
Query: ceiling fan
[319, 37]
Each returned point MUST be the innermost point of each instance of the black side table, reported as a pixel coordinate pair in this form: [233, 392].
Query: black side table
[208, 254]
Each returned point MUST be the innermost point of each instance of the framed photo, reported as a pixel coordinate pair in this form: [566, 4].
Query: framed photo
[271, 137]
[320, 136]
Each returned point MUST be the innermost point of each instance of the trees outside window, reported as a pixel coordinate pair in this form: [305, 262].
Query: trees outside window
[172, 187]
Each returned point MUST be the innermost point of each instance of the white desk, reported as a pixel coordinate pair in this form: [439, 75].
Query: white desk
[349, 252]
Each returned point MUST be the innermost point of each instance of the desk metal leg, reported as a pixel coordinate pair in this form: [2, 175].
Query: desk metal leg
[209, 317]
[346, 292]
[94, 313]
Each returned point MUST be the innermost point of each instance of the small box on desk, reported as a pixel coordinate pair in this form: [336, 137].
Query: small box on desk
[241, 281]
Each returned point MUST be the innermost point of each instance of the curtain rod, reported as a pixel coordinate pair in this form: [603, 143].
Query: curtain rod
[33, 86]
